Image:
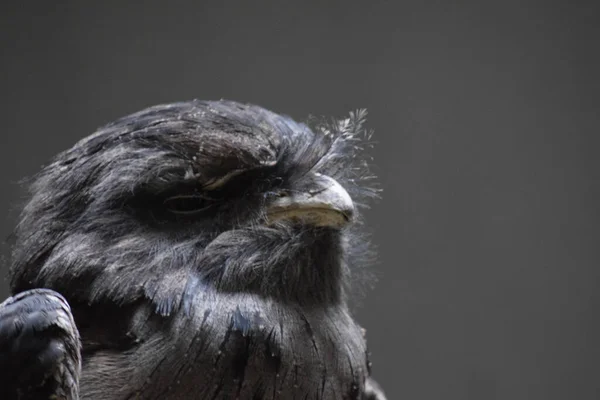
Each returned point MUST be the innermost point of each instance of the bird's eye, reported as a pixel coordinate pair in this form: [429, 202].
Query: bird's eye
[188, 204]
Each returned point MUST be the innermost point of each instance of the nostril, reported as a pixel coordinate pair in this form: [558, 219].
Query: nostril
[277, 181]
[277, 194]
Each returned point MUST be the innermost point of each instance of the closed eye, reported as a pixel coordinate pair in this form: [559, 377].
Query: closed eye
[189, 204]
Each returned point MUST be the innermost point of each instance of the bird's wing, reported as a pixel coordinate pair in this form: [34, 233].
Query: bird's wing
[39, 346]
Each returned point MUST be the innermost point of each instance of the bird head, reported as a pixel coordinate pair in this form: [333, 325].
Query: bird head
[213, 194]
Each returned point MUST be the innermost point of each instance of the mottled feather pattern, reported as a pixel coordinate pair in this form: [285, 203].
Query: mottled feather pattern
[39, 346]
[214, 305]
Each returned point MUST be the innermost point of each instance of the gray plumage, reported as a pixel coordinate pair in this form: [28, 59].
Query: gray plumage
[206, 249]
[40, 349]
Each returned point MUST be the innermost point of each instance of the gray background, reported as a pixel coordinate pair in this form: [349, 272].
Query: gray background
[486, 118]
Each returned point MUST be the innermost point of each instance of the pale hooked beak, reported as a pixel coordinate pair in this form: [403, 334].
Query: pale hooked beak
[320, 201]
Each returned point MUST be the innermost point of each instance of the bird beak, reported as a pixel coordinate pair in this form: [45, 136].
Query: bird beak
[321, 201]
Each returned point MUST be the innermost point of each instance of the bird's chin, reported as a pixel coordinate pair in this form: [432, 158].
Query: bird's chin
[315, 217]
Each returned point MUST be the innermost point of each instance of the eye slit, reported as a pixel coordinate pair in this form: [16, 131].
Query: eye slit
[188, 204]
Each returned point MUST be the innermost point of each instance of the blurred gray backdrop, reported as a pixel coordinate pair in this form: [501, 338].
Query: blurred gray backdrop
[486, 117]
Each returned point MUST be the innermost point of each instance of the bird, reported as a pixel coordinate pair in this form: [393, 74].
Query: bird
[203, 249]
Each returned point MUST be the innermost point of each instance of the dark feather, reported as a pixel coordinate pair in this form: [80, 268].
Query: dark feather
[166, 207]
